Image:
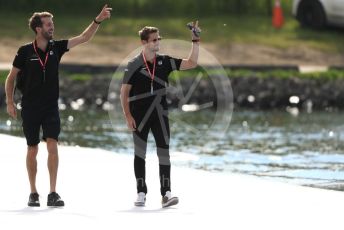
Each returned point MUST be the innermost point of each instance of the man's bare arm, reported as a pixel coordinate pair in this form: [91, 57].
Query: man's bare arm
[9, 87]
[125, 89]
[191, 61]
[90, 31]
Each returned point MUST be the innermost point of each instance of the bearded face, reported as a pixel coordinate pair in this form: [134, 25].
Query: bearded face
[47, 29]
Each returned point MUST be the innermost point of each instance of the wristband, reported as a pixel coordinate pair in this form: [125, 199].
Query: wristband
[95, 21]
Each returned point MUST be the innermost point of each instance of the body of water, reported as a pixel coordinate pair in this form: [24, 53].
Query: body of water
[304, 148]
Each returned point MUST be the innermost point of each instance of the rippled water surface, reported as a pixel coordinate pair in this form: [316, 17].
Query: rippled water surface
[305, 149]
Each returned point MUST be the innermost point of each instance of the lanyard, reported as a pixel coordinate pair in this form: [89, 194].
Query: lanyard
[151, 74]
[40, 60]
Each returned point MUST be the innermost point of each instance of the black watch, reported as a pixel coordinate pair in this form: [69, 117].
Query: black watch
[95, 21]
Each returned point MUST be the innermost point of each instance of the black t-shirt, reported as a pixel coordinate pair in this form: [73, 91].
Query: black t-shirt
[40, 92]
[136, 74]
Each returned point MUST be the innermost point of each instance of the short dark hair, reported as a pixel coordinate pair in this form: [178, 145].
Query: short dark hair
[35, 20]
[146, 31]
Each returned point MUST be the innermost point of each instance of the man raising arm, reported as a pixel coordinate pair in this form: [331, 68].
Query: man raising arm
[143, 98]
[38, 62]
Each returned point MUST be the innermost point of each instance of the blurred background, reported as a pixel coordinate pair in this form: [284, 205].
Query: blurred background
[284, 60]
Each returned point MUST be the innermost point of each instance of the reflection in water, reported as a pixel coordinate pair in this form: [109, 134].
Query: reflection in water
[306, 149]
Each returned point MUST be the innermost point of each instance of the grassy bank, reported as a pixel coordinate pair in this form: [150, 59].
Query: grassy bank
[328, 75]
[218, 30]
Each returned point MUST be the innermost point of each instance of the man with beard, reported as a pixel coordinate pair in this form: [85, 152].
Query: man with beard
[36, 69]
[143, 97]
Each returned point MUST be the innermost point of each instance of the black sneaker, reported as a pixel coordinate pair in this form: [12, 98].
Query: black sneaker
[33, 200]
[55, 200]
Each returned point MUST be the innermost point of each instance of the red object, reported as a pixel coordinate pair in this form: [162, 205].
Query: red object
[151, 74]
[277, 17]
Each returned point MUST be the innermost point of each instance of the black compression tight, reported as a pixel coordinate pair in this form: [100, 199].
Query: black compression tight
[159, 126]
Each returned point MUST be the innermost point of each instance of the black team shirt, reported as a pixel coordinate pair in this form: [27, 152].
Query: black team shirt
[136, 74]
[40, 92]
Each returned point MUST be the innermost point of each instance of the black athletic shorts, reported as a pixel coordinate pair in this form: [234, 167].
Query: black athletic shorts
[33, 120]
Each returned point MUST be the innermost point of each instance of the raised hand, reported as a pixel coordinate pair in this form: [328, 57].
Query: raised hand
[104, 14]
[196, 30]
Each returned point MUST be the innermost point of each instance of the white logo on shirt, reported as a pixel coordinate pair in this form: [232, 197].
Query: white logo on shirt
[51, 52]
[159, 62]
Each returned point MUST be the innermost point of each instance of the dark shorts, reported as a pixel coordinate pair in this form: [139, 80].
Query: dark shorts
[33, 120]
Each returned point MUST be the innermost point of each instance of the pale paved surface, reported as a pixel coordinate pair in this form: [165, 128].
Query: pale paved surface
[98, 188]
